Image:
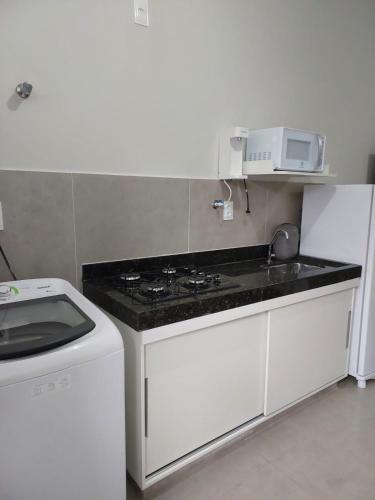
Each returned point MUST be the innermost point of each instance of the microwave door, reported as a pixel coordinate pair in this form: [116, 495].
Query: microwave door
[301, 151]
[296, 153]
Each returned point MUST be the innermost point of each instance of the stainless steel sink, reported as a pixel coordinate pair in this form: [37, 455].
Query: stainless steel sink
[289, 270]
[293, 267]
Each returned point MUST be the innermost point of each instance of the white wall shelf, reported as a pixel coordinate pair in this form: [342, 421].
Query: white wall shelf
[263, 171]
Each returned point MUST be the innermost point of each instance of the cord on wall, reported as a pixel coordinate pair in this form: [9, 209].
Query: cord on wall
[230, 190]
[247, 198]
[7, 263]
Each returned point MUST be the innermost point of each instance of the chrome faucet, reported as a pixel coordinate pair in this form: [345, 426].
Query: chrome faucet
[277, 233]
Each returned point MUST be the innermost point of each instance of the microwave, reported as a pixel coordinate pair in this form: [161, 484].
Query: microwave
[288, 148]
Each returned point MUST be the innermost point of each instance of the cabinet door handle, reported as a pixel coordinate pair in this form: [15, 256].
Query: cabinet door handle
[348, 329]
[146, 407]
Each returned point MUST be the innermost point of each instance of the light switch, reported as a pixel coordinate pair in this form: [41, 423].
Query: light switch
[141, 12]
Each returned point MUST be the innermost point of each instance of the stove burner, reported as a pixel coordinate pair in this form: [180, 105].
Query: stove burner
[169, 270]
[130, 277]
[196, 281]
[155, 291]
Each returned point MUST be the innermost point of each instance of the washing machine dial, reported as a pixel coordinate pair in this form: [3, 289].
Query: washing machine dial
[5, 291]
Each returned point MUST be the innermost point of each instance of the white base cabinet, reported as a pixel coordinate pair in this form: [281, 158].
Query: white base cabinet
[193, 385]
[201, 385]
[307, 347]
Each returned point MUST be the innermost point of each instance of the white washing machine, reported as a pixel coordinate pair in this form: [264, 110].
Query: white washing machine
[62, 418]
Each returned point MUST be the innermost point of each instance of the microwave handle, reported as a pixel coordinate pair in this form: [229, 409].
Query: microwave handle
[321, 144]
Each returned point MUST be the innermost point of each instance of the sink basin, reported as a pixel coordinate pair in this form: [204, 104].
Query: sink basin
[293, 267]
[289, 270]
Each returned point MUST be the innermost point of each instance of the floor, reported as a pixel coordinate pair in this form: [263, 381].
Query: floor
[323, 449]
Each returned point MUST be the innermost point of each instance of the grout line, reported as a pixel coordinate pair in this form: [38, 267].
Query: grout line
[74, 231]
[171, 254]
[188, 228]
[100, 172]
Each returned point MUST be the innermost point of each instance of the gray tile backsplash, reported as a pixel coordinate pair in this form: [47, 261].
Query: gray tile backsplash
[54, 222]
[129, 217]
[39, 226]
[208, 230]
[284, 204]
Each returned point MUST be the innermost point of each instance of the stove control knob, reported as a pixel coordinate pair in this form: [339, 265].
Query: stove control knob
[5, 291]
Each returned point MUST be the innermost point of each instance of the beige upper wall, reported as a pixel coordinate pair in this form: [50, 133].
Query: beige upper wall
[111, 96]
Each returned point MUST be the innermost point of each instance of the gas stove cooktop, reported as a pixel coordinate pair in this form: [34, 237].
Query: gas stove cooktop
[169, 283]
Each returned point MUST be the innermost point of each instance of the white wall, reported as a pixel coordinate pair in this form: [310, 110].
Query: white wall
[114, 97]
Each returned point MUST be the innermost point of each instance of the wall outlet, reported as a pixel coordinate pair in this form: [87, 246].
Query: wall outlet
[228, 210]
[1, 217]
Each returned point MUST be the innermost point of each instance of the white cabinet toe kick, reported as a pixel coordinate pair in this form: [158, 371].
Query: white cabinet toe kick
[194, 385]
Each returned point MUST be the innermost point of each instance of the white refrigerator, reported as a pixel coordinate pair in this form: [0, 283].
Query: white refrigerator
[338, 223]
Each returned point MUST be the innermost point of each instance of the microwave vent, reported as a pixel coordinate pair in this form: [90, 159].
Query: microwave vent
[260, 155]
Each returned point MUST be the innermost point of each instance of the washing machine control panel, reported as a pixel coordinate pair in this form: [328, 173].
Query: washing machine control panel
[16, 291]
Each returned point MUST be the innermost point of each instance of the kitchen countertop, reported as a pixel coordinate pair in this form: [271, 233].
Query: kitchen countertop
[244, 266]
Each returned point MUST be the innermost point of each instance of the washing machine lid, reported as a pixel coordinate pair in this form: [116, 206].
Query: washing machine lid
[33, 326]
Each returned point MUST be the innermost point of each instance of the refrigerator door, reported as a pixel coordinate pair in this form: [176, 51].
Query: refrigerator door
[336, 223]
[366, 358]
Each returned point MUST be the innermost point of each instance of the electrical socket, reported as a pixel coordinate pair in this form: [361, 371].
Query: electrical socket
[1, 217]
[228, 210]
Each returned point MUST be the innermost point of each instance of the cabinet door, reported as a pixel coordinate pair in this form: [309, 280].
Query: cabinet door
[201, 385]
[308, 347]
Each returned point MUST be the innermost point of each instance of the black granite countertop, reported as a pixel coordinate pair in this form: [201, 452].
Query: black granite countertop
[246, 266]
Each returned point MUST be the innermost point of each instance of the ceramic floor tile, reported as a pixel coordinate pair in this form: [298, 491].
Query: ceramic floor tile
[262, 482]
[327, 470]
[267, 483]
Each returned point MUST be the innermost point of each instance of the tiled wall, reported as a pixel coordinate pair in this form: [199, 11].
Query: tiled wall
[54, 222]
